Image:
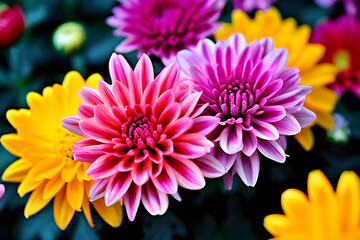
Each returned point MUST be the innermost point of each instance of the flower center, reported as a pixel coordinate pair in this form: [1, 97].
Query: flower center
[65, 141]
[142, 131]
[342, 60]
[237, 102]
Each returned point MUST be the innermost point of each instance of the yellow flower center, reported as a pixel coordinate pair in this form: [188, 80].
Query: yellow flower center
[65, 142]
[342, 60]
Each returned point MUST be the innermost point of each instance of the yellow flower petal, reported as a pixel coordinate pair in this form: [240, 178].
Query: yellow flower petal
[348, 193]
[294, 203]
[86, 204]
[113, 214]
[36, 201]
[319, 188]
[47, 168]
[53, 186]
[17, 171]
[322, 99]
[324, 119]
[69, 170]
[319, 75]
[13, 143]
[93, 80]
[75, 194]
[28, 185]
[63, 212]
[276, 224]
[305, 138]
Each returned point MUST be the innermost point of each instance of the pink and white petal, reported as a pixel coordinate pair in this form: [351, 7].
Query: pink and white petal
[191, 146]
[282, 141]
[86, 111]
[106, 94]
[189, 103]
[304, 117]
[228, 180]
[231, 139]
[140, 172]
[210, 166]
[204, 125]
[264, 130]
[117, 187]
[248, 168]
[272, 113]
[276, 60]
[268, 44]
[98, 188]
[288, 125]
[170, 114]
[176, 196]
[121, 94]
[168, 78]
[104, 116]
[90, 127]
[132, 201]
[249, 142]
[155, 201]
[119, 68]
[103, 167]
[165, 100]
[90, 96]
[206, 48]
[71, 123]
[227, 160]
[271, 149]
[166, 180]
[188, 175]
[144, 71]
[188, 60]
[178, 127]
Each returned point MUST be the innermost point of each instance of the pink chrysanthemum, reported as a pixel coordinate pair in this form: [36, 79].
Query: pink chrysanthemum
[257, 99]
[140, 136]
[249, 5]
[163, 27]
[341, 39]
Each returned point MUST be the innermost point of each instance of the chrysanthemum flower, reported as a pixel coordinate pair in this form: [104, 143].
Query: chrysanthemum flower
[141, 135]
[323, 215]
[46, 166]
[257, 99]
[249, 5]
[163, 27]
[341, 39]
[302, 55]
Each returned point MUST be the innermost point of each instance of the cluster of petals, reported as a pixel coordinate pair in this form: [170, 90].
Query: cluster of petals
[303, 55]
[322, 215]
[163, 27]
[340, 37]
[141, 135]
[249, 5]
[257, 99]
[46, 167]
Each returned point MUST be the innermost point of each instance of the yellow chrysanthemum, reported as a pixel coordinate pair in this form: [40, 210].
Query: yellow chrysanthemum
[302, 55]
[45, 165]
[323, 215]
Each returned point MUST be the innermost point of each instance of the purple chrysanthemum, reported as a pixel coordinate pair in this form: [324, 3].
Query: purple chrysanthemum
[258, 100]
[163, 27]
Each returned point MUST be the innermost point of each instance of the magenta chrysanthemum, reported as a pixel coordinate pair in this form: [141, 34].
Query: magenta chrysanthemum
[340, 37]
[163, 27]
[140, 136]
[257, 99]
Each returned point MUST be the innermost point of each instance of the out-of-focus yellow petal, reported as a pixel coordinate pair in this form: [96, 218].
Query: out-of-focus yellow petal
[311, 54]
[305, 138]
[75, 194]
[86, 204]
[276, 224]
[93, 80]
[53, 186]
[348, 193]
[294, 203]
[36, 201]
[321, 98]
[319, 188]
[319, 75]
[63, 212]
[324, 120]
[17, 171]
[113, 214]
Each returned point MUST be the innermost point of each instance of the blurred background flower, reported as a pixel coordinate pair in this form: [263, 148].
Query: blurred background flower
[323, 214]
[68, 38]
[163, 27]
[249, 5]
[12, 24]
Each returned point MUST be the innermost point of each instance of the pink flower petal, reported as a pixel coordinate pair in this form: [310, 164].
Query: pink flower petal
[248, 168]
[304, 117]
[144, 71]
[140, 172]
[166, 180]
[98, 188]
[188, 175]
[85, 111]
[264, 130]
[227, 160]
[210, 166]
[106, 94]
[155, 201]
[119, 69]
[204, 125]
[132, 201]
[93, 129]
[228, 180]
[71, 124]
[170, 114]
[90, 96]
[178, 127]
[231, 139]
[272, 114]
[271, 149]
[288, 125]
[118, 185]
[191, 146]
[103, 167]
[249, 142]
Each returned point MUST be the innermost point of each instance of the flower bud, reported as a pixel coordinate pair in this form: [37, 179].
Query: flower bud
[68, 38]
[340, 132]
[12, 24]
